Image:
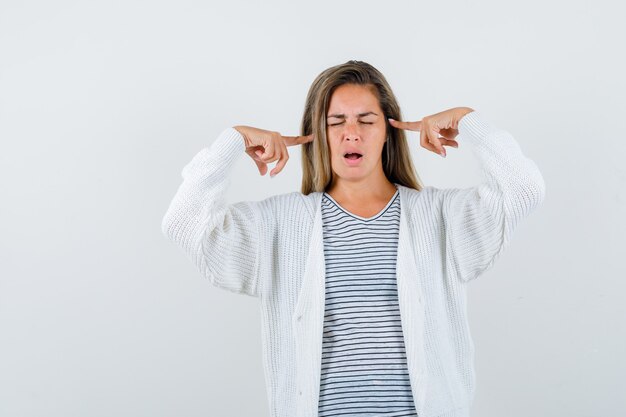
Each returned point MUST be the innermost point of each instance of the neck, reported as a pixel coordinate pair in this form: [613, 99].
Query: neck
[362, 190]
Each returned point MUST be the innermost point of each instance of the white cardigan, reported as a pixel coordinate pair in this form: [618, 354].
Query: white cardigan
[273, 249]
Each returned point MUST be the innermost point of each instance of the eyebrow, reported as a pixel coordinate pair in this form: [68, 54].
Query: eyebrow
[343, 116]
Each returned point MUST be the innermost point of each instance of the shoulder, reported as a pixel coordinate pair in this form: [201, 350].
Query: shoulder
[425, 203]
[290, 206]
[414, 197]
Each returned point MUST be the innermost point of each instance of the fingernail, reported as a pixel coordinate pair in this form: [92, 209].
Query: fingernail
[443, 154]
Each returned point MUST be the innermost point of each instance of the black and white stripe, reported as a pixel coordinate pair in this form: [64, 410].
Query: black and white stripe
[364, 370]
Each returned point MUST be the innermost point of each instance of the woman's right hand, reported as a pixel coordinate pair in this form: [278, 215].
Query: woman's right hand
[265, 146]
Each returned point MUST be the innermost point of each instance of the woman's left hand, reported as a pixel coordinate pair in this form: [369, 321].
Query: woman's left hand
[444, 123]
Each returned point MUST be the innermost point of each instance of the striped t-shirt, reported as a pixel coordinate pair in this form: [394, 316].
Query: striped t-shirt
[364, 370]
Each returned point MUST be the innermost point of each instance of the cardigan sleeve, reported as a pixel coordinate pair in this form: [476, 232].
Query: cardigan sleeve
[479, 220]
[221, 239]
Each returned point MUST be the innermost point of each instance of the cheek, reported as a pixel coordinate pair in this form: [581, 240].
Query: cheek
[333, 146]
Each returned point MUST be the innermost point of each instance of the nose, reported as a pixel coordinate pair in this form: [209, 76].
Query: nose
[351, 131]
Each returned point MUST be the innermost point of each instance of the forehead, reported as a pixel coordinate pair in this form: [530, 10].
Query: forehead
[353, 99]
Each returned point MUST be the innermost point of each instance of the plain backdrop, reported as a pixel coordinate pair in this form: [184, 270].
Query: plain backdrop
[102, 103]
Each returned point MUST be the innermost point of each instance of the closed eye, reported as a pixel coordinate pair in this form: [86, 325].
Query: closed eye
[365, 123]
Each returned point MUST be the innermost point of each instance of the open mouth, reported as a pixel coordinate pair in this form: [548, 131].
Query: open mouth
[353, 156]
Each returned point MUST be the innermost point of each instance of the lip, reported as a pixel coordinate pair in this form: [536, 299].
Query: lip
[353, 162]
[352, 150]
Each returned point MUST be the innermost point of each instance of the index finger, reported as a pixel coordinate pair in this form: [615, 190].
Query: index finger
[417, 126]
[297, 140]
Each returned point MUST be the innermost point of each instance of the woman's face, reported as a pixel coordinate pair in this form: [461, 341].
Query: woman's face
[355, 123]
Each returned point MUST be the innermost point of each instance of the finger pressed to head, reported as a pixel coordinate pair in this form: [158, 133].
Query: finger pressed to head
[297, 140]
[415, 126]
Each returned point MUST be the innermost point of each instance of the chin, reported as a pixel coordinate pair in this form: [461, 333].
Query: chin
[353, 174]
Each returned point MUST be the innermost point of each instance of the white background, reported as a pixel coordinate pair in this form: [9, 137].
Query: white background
[103, 102]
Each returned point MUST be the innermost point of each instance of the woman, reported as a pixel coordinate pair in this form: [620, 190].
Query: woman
[362, 274]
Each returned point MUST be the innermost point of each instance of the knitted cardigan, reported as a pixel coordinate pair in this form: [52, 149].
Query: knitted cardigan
[272, 249]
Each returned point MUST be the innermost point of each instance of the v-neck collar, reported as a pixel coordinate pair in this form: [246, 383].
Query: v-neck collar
[375, 216]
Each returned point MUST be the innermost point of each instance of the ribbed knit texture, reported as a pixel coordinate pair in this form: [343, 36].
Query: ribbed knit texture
[273, 249]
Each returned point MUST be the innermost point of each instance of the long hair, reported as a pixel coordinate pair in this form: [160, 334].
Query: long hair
[316, 166]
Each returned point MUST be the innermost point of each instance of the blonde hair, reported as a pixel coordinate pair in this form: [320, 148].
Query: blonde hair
[316, 167]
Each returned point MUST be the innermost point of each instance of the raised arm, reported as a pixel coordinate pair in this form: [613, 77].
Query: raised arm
[221, 239]
[479, 220]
